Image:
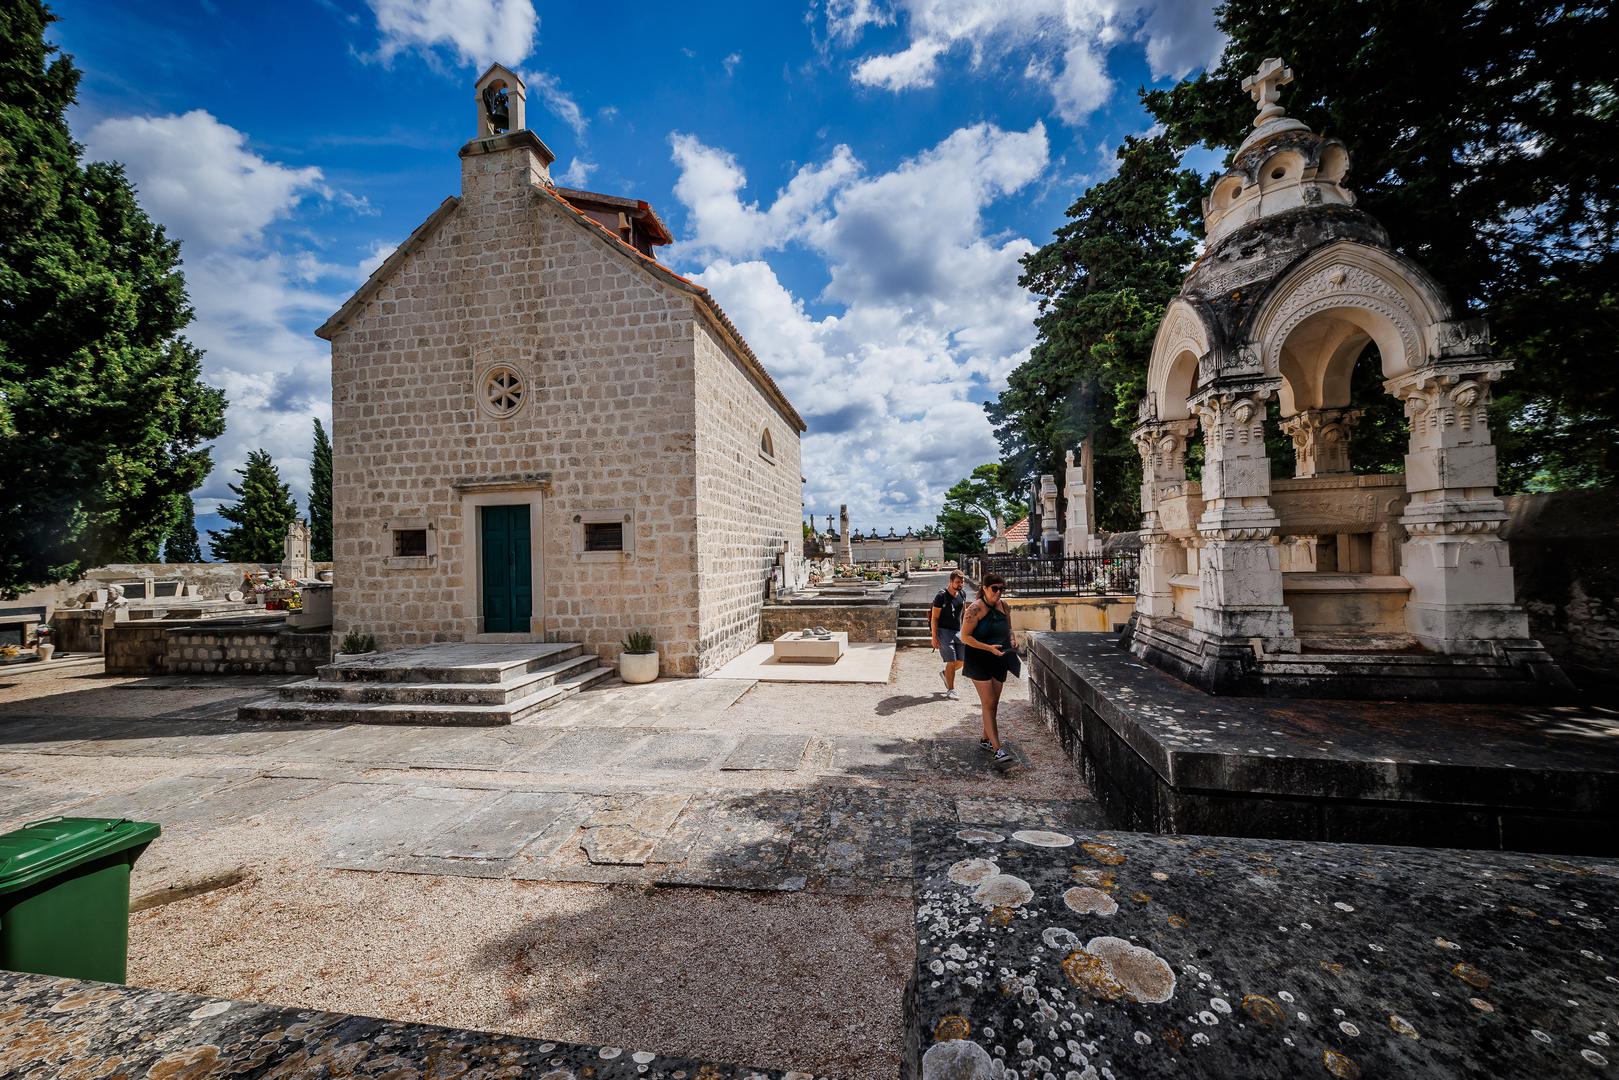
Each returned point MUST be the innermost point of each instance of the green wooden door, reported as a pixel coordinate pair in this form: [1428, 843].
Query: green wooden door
[508, 583]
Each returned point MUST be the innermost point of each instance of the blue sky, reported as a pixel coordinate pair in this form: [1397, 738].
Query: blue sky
[854, 180]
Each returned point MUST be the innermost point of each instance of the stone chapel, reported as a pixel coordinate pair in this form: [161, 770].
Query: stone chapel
[542, 433]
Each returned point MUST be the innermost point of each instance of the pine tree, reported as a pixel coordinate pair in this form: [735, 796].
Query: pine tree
[320, 497]
[103, 414]
[1489, 160]
[259, 519]
[183, 544]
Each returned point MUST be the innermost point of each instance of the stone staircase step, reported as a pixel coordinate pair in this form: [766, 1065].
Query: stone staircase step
[357, 692]
[448, 663]
[345, 712]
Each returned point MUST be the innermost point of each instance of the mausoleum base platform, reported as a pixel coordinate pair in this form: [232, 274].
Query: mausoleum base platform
[1166, 757]
[1046, 953]
[53, 1027]
[1512, 670]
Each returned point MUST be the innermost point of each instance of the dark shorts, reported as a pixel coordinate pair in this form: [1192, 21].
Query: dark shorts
[951, 650]
[982, 664]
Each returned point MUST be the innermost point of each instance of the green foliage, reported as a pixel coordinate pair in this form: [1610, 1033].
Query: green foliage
[1103, 282]
[320, 497]
[638, 642]
[103, 414]
[260, 518]
[1490, 161]
[183, 545]
[356, 642]
[975, 505]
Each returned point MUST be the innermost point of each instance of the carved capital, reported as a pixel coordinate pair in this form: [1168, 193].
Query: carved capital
[1321, 440]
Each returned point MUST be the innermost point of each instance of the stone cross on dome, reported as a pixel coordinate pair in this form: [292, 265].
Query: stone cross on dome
[1265, 87]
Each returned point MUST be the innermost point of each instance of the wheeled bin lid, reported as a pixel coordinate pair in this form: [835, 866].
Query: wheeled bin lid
[42, 849]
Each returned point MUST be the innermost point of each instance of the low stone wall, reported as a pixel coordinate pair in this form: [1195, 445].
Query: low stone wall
[1098, 614]
[1565, 564]
[260, 647]
[862, 622]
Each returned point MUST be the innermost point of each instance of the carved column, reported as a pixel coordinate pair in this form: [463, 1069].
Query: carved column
[1240, 580]
[1162, 446]
[1321, 440]
[1454, 557]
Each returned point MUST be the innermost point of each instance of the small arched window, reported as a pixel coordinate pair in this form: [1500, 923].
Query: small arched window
[767, 445]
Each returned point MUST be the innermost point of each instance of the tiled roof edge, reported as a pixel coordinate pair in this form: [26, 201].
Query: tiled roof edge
[710, 306]
[381, 274]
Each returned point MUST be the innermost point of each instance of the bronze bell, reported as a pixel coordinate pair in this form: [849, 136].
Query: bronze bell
[496, 108]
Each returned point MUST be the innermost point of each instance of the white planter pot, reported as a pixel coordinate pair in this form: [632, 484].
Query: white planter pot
[638, 667]
[45, 651]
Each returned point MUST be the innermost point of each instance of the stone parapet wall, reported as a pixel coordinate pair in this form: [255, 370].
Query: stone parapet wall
[750, 502]
[1095, 614]
[267, 647]
[862, 622]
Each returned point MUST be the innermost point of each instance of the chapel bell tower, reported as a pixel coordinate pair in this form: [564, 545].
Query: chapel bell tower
[501, 98]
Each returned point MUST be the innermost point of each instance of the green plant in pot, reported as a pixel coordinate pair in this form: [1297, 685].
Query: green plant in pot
[638, 662]
[355, 642]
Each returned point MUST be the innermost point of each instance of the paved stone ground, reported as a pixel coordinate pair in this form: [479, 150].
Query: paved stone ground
[715, 869]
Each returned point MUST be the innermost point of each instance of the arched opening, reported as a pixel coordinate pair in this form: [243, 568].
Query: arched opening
[1338, 485]
[767, 445]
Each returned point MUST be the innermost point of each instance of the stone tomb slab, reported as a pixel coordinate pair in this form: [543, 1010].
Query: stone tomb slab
[1162, 755]
[795, 648]
[1047, 952]
[50, 1025]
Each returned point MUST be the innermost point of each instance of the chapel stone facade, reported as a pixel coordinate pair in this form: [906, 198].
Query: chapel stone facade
[1328, 582]
[541, 433]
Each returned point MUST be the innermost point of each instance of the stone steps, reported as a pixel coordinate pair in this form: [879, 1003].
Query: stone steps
[915, 630]
[437, 693]
[450, 684]
[448, 663]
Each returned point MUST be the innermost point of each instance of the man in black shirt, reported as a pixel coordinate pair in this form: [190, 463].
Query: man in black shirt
[945, 619]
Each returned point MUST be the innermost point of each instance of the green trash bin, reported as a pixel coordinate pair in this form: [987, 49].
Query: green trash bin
[64, 895]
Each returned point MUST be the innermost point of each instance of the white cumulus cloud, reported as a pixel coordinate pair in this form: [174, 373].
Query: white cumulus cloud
[476, 32]
[255, 302]
[1061, 45]
[929, 317]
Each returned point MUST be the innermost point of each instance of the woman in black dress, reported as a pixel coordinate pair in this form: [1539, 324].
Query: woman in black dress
[986, 631]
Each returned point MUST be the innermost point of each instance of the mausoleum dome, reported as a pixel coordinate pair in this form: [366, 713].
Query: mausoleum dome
[1282, 166]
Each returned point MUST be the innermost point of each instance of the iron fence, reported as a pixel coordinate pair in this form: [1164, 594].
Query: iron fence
[1067, 575]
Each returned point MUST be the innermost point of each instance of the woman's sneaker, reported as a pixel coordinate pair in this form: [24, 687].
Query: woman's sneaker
[951, 695]
[986, 746]
[1002, 757]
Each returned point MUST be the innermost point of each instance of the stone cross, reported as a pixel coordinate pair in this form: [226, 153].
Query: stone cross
[1265, 87]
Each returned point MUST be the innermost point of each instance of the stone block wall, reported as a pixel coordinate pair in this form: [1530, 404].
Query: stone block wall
[750, 503]
[862, 622]
[136, 648]
[162, 647]
[607, 425]
[1565, 567]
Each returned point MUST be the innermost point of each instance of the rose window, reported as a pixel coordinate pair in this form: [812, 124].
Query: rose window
[503, 390]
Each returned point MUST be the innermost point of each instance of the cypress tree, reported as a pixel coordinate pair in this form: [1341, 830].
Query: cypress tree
[103, 413]
[263, 512]
[320, 497]
[183, 544]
